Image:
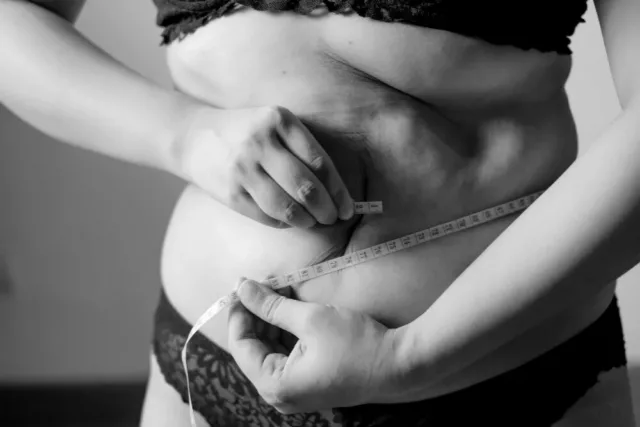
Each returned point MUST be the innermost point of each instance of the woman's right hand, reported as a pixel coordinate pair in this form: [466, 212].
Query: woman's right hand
[265, 164]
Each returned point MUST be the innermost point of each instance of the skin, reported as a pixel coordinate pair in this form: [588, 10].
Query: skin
[393, 357]
[414, 361]
[267, 165]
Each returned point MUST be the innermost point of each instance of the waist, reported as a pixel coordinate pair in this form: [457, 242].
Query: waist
[425, 170]
[209, 247]
[394, 289]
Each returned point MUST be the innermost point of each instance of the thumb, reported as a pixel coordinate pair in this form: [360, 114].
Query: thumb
[283, 312]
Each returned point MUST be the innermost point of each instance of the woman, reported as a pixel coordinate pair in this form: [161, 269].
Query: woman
[281, 119]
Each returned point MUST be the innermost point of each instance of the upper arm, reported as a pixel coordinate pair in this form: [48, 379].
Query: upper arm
[620, 23]
[67, 9]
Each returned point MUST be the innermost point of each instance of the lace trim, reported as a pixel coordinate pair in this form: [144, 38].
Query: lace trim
[544, 25]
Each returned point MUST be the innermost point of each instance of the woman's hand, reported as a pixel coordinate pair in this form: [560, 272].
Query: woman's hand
[341, 358]
[265, 164]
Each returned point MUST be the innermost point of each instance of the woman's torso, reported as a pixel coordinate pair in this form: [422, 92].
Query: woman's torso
[434, 124]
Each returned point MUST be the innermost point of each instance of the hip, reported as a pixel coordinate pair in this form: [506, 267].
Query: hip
[560, 387]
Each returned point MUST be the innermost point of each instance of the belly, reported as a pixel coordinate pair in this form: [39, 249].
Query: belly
[433, 124]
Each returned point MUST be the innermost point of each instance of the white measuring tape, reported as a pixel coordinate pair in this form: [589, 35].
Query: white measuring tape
[358, 257]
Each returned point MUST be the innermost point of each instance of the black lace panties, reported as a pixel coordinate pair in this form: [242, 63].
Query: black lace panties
[535, 394]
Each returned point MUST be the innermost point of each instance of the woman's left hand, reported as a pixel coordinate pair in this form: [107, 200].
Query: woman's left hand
[341, 358]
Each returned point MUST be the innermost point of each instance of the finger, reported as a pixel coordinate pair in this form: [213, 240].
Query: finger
[285, 340]
[299, 140]
[275, 202]
[300, 183]
[274, 333]
[244, 204]
[285, 313]
[254, 357]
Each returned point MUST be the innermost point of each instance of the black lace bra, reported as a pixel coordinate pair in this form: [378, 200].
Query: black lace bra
[544, 25]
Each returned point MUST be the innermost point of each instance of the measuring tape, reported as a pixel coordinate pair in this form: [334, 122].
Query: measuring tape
[359, 257]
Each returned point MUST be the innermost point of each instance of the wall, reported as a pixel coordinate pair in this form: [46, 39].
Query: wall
[81, 234]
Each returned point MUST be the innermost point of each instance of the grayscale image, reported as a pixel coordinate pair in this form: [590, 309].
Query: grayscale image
[319, 213]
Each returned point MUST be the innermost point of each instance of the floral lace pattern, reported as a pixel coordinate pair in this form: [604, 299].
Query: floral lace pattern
[545, 25]
[219, 390]
[224, 396]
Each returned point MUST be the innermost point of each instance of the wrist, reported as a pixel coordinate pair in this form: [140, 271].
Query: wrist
[195, 142]
[402, 377]
[173, 135]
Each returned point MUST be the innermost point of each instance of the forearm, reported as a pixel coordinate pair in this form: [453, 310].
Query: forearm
[60, 83]
[581, 234]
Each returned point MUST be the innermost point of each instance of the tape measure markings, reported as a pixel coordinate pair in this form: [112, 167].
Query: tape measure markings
[367, 207]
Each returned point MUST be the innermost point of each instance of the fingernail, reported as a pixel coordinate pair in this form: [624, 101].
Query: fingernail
[347, 210]
[241, 281]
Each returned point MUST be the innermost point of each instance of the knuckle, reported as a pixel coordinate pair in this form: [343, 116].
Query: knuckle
[290, 212]
[307, 191]
[239, 168]
[277, 395]
[236, 196]
[270, 307]
[312, 317]
[252, 145]
[318, 163]
[281, 398]
[245, 158]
